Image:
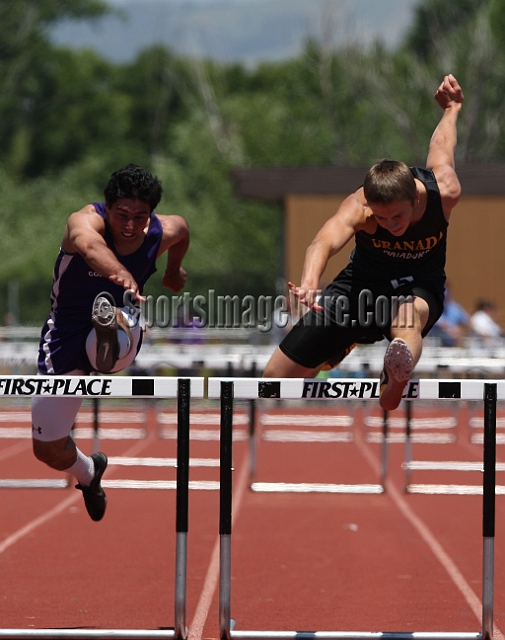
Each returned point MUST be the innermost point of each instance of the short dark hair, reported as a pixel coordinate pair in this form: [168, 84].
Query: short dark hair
[133, 182]
[389, 181]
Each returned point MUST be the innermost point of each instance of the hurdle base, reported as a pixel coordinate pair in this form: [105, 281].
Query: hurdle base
[355, 635]
[18, 483]
[29, 483]
[97, 634]
[307, 487]
[451, 489]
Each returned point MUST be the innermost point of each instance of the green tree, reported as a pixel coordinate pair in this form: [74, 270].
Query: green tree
[158, 84]
[461, 38]
[435, 20]
[24, 50]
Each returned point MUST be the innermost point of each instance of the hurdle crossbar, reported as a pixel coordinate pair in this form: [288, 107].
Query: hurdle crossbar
[123, 387]
[93, 388]
[227, 389]
[341, 389]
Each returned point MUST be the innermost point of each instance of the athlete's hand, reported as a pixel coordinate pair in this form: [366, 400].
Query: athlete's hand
[307, 297]
[449, 92]
[125, 280]
[175, 280]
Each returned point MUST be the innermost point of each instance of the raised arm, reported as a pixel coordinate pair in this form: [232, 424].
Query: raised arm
[331, 238]
[443, 143]
[84, 234]
[176, 242]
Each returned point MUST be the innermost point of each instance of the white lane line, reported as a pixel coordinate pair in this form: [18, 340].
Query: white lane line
[438, 551]
[205, 435]
[415, 423]
[415, 438]
[107, 416]
[447, 465]
[307, 420]
[287, 435]
[125, 461]
[479, 438]
[52, 513]
[80, 433]
[307, 487]
[212, 576]
[452, 489]
[194, 485]
[37, 522]
[201, 418]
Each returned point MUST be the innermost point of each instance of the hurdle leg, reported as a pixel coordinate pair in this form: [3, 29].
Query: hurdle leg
[252, 433]
[384, 449]
[181, 518]
[225, 509]
[408, 443]
[252, 441]
[70, 478]
[488, 519]
[96, 425]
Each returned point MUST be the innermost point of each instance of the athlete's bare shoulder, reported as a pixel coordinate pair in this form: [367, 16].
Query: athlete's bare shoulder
[84, 222]
[175, 230]
[364, 214]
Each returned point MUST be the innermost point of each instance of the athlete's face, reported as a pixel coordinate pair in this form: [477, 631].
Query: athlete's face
[394, 216]
[127, 220]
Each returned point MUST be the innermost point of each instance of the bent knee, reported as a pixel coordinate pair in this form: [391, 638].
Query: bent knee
[58, 454]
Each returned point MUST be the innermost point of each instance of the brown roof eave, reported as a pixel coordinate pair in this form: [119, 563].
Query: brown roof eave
[273, 184]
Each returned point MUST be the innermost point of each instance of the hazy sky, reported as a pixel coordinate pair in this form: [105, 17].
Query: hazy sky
[241, 30]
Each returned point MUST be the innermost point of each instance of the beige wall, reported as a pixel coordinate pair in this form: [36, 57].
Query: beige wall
[304, 216]
[475, 256]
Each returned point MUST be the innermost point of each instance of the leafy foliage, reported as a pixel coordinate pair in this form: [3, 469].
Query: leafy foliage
[69, 118]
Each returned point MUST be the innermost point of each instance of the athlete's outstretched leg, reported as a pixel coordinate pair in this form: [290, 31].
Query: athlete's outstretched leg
[280, 366]
[404, 351]
[52, 420]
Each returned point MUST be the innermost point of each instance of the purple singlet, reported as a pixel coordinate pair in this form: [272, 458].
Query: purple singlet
[62, 345]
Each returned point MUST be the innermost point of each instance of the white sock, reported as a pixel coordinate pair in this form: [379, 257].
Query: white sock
[83, 469]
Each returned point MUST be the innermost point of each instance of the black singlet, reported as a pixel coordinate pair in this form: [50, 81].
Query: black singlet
[419, 252]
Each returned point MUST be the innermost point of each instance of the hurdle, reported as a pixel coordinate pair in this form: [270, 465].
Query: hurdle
[410, 465]
[125, 387]
[228, 389]
[11, 382]
[323, 389]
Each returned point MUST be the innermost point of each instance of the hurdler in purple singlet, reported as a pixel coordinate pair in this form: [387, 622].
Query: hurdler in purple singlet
[62, 346]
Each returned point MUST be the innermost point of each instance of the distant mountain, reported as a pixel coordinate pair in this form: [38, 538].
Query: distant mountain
[236, 30]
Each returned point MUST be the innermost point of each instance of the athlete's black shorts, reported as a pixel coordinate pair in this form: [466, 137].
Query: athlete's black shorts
[356, 312]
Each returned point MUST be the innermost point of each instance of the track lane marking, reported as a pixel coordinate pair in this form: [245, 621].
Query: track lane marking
[212, 576]
[52, 513]
[13, 450]
[437, 549]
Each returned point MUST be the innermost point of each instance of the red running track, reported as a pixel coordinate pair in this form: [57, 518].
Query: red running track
[340, 562]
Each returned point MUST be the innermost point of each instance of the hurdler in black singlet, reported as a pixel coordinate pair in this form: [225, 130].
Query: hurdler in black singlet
[420, 252]
[381, 266]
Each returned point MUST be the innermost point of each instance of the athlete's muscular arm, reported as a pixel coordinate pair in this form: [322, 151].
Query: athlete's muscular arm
[333, 236]
[175, 241]
[84, 234]
[443, 143]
